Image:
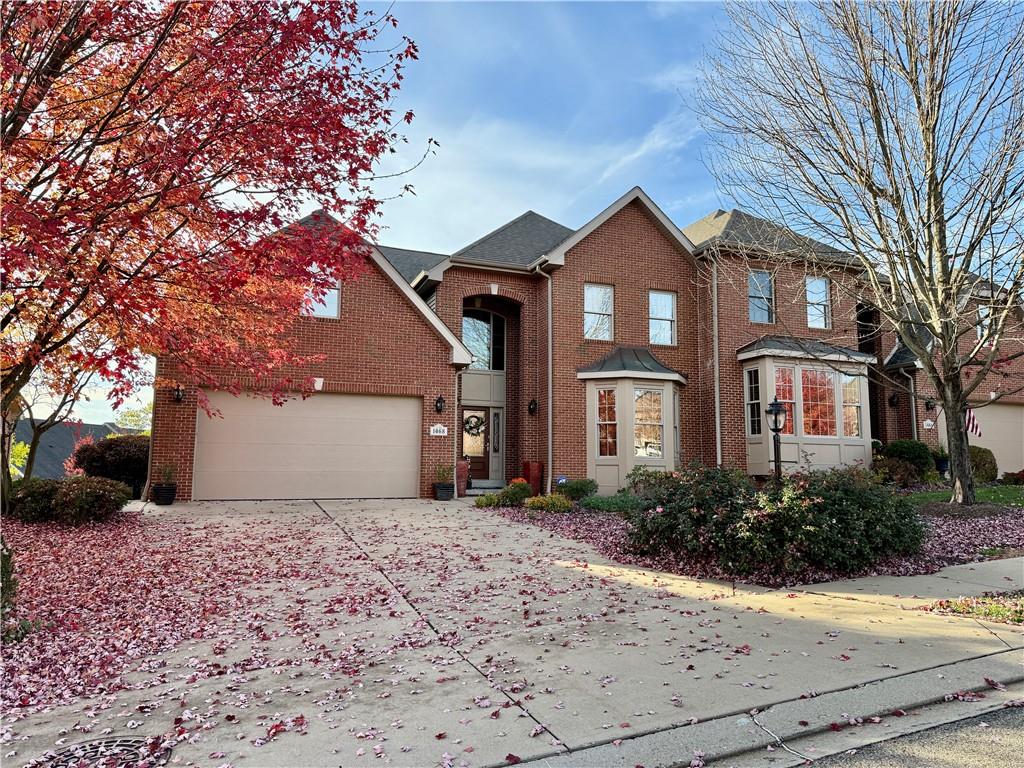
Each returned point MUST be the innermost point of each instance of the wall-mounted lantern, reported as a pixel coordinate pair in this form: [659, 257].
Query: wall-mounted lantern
[894, 400]
[177, 394]
[532, 407]
[439, 404]
[929, 404]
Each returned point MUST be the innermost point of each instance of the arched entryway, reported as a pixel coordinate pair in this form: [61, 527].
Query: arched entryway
[489, 389]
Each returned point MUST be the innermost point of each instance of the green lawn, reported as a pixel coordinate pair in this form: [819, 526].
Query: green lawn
[1006, 495]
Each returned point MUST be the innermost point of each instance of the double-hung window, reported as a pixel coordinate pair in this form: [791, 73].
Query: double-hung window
[761, 296]
[661, 317]
[607, 423]
[598, 308]
[648, 423]
[818, 392]
[785, 393]
[851, 405]
[753, 401]
[819, 306]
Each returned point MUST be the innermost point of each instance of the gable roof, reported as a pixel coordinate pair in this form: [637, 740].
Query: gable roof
[629, 362]
[744, 231]
[556, 255]
[58, 442]
[791, 346]
[410, 263]
[519, 243]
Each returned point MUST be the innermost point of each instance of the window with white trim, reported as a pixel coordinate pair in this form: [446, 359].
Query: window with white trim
[607, 423]
[753, 401]
[648, 423]
[761, 296]
[328, 305]
[598, 308]
[785, 393]
[661, 317]
[819, 305]
[818, 394]
[851, 405]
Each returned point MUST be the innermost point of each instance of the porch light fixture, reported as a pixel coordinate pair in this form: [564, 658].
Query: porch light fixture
[929, 404]
[894, 400]
[177, 394]
[532, 407]
[776, 413]
[439, 404]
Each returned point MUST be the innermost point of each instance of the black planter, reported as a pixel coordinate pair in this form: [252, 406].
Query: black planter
[163, 493]
[444, 491]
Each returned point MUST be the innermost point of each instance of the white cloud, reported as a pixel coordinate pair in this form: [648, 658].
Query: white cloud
[667, 136]
[680, 77]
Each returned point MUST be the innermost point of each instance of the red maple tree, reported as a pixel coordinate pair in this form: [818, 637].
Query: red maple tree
[150, 152]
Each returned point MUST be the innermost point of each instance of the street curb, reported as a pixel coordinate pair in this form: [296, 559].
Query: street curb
[738, 734]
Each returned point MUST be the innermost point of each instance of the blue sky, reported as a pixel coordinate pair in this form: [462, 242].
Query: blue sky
[555, 107]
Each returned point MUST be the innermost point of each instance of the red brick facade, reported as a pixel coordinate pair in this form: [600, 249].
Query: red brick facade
[382, 344]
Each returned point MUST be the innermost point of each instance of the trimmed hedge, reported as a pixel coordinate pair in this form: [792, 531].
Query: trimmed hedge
[899, 472]
[986, 470]
[124, 458]
[554, 502]
[840, 520]
[73, 501]
[619, 504]
[914, 451]
[578, 489]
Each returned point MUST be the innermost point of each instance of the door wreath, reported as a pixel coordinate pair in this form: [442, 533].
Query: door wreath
[473, 424]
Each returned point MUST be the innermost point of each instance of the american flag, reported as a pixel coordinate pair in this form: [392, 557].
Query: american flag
[972, 423]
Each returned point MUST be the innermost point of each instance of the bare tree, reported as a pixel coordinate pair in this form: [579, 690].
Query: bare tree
[893, 131]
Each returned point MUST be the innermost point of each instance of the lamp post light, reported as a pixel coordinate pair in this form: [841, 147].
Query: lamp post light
[776, 413]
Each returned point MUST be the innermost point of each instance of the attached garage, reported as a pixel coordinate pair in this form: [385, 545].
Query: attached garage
[327, 446]
[1002, 432]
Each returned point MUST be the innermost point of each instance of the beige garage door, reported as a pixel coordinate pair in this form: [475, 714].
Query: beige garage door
[1002, 431]
[324, 447]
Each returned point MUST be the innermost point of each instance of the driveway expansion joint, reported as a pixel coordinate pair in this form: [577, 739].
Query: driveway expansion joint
[426, 620]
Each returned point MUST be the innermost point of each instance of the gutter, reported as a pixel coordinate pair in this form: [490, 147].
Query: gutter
[551, 384]
[913, 405]
[717, 371]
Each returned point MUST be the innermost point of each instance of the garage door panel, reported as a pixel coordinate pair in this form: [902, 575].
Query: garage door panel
[1002, 431]
[327, 446]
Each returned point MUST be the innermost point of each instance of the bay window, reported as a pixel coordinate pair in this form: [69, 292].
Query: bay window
[753, 402]
[648, 422]
[851, 405]
[817, 390]
[785, 393]
[607, 423]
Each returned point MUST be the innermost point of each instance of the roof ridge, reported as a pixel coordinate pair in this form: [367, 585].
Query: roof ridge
[411, 250]
[505, 226]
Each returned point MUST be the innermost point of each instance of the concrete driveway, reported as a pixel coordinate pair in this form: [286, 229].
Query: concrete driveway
[420, 633]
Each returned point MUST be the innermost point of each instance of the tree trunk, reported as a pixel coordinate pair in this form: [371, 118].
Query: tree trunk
[9, 416]
[33, 447]
[960, 470]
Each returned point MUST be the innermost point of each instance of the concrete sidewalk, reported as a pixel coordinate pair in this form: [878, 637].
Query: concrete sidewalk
[497, 641]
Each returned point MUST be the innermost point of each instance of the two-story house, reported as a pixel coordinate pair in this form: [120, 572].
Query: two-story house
[625, 342]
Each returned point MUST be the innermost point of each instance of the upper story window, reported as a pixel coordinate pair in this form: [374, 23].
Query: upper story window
[598, 304]
[327, 306]
[761, 296]
[984, 319]
[661, 317]
[483, 333]
[753, 401]
[819, 305]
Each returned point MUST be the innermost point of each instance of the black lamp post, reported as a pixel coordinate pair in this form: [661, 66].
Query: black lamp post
[776, 413]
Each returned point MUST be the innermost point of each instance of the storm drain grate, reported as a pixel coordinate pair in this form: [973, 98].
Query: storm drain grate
[106, 753]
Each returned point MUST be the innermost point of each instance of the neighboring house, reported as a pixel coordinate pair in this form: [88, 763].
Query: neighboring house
[58, 442]
[625, 342]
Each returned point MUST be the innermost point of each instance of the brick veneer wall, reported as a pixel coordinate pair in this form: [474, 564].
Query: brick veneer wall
[631, 253]
[737, 330]
[380, 345]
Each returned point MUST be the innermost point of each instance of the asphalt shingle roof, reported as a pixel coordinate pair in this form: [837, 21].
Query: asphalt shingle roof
[808, 347]
[519, 242]
[410, 263]
[629, 360]
[741, 230]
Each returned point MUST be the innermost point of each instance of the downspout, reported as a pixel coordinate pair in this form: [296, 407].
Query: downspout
[913, 405]
[714, 354]
[551, 384]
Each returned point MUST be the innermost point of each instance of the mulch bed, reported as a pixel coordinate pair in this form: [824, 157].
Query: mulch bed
[951, 540]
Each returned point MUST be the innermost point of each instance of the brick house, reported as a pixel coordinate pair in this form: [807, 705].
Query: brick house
[628, 341]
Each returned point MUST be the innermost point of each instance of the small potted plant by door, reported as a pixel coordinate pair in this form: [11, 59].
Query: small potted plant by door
[164, 492]
[444, 487]
[941, 456]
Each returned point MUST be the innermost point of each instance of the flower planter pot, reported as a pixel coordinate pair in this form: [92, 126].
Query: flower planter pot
[444, 491]
[163, 493]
